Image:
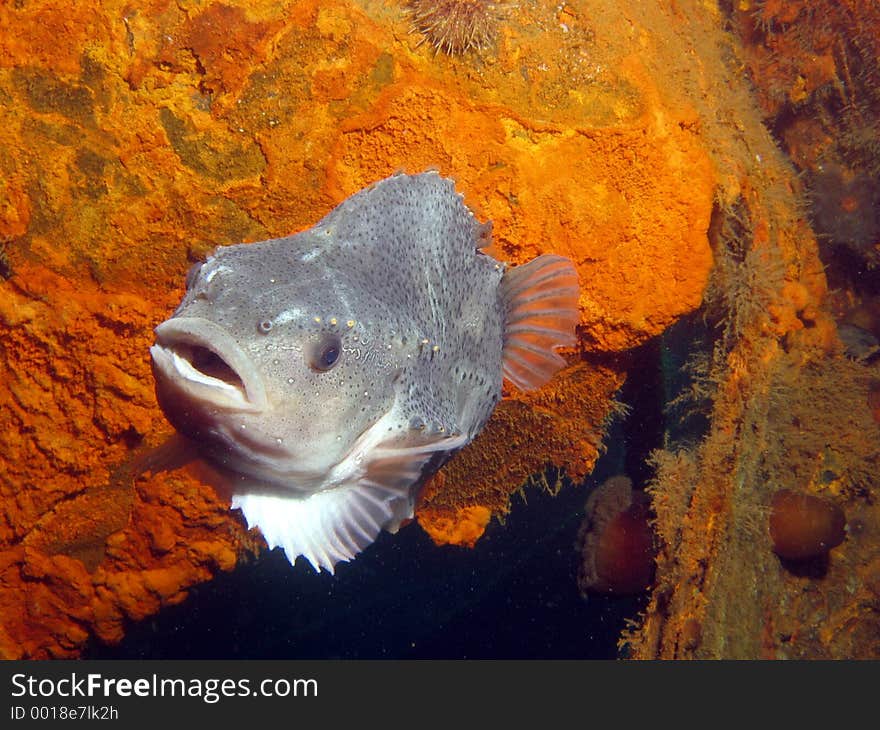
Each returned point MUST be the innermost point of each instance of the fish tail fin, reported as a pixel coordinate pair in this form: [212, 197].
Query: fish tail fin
[541, 298]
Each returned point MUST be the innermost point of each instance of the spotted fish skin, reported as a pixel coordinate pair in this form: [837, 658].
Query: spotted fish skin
[330, 372]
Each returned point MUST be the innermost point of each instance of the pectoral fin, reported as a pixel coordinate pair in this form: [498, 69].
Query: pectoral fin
[542, 311]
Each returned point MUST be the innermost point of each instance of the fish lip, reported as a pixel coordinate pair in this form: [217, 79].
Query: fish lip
[177, 333]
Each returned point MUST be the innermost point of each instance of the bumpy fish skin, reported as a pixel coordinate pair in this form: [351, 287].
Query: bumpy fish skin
[330, 371]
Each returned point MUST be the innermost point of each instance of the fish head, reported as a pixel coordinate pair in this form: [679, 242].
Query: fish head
[268, 368]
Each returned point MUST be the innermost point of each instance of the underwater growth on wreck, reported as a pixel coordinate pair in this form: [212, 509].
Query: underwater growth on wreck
[795, 421]
[816, 75]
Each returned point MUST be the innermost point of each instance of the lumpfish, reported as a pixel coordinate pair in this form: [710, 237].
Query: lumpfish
[329, 373]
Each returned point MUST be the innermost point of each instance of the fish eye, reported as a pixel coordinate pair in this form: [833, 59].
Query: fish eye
[325, 353]
[265, 326]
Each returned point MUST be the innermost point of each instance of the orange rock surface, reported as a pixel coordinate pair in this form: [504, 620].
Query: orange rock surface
[463, 526]
[138, 136]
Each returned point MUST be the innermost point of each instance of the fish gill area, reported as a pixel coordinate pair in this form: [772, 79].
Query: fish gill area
[666, 148]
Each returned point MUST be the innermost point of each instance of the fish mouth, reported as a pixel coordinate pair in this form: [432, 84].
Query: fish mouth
[205, 363]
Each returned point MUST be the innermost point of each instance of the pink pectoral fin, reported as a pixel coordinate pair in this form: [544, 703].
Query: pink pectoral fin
[542, 313]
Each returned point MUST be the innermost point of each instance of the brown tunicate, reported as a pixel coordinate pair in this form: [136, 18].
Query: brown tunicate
[616, 540]
[803, 526]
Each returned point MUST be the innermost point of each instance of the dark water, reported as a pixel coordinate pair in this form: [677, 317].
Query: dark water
[513, 596]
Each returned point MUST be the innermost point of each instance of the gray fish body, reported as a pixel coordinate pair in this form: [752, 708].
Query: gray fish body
[328, 371]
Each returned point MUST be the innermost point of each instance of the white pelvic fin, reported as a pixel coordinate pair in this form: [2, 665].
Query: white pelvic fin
[542, 311]
[325, 528]
[335, 524]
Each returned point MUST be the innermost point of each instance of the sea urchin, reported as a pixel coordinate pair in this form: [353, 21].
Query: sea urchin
[455, 26]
